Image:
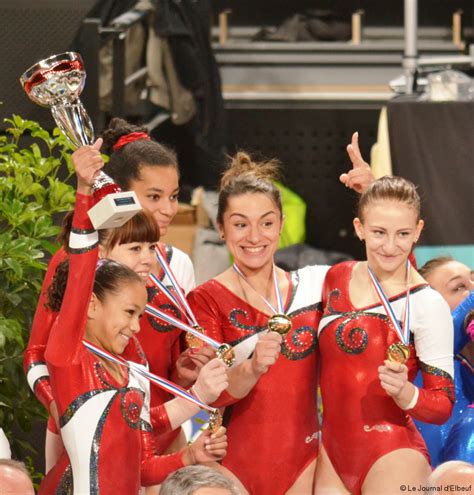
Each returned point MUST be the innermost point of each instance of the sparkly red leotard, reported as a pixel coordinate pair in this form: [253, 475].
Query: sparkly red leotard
[273, 431]
[105, 425]
[361, 422]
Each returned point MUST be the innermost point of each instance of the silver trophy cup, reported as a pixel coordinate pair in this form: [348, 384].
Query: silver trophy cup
[57, 82]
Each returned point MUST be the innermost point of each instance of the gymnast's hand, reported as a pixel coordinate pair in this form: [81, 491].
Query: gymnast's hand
[190, 362]
[211, 382]
[208, 447]
[360, 177]
[87, 161]
[394, 380]
[266, 352]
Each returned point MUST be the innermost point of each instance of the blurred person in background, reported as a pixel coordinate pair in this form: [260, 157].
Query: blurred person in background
[198, 480]
[14, 478]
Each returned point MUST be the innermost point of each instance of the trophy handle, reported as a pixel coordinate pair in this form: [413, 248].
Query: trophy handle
[74, 122]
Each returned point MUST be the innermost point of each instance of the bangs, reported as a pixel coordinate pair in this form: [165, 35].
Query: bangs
[140, 228]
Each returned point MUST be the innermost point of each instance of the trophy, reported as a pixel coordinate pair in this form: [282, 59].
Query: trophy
[57, 82]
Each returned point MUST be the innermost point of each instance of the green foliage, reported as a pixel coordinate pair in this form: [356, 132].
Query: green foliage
[30, 194]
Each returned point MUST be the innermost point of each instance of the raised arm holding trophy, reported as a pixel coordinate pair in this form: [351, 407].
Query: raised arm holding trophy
[57, 82]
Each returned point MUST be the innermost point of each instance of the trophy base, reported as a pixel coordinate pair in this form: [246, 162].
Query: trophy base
[114, 210]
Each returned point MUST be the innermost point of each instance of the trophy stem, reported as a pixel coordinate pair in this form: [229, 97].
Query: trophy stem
[74, 122]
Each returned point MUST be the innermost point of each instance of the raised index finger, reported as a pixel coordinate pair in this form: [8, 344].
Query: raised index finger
[354, 152]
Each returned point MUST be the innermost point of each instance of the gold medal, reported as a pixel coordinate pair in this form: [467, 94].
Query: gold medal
[192, 341]
[226, 354]
[215, 420]
[398, 353]
[279, 323]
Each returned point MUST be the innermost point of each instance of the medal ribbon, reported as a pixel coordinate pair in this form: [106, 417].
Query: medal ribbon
[184, 306]
[279, 310]
[402, 332]
[171, 320]
[141, 370]
[160, 285]
[179, 300]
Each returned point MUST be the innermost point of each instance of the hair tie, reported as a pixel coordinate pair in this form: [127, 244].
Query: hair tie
[129, 138]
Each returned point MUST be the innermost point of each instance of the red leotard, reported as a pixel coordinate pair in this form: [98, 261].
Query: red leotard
[273, 431]
[105, 425]
[361, 422]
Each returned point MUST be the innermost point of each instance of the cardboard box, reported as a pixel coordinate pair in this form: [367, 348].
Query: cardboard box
[190, 217]
[182, 231]
[202, 218]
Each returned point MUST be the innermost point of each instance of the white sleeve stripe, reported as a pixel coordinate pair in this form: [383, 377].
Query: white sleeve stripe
[81, 241]
[413, 401]
[35, 373]
[433, 330]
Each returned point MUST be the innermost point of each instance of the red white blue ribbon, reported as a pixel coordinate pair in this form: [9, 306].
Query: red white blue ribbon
[143, 371]
[179, 300]
[403, 332]
[184, 306]
[279, 310]
[171, 320]
[160, 285]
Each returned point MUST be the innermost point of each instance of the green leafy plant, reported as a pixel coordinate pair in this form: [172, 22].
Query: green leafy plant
[31, 194]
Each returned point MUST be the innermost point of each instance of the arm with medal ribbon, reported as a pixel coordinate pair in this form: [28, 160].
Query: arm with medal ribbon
[433, 402]
[211, 382]
[188, 363]
[215, 418]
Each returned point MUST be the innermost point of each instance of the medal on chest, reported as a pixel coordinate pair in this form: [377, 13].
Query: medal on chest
[279, 322]
[398, 352]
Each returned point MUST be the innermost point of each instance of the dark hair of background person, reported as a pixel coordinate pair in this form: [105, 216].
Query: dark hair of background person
[125, 164]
